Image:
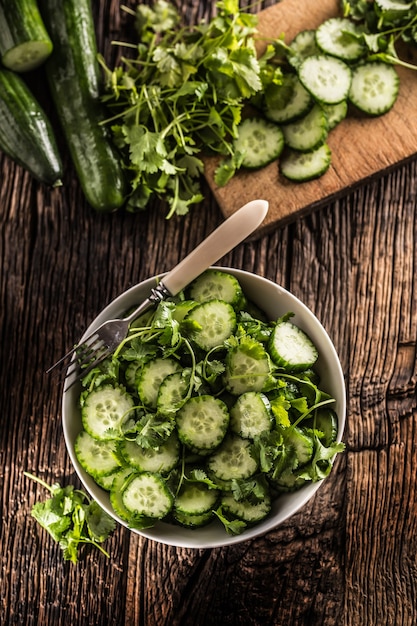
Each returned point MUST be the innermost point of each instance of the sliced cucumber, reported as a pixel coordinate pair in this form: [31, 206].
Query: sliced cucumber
[326, 78]
[301, 443]
[374, 87]
[335, 113]
[195, 499]
[151, 377]
[147, 494]
[160, 460]
[233, 459]
[341, 38]
[307, 133]
[247, 367]
[304, 166]
[106, 411]
[202, 423]
[172, 393]
[211, 323]
[302, 46]
[216, 285]
[291, 348]
[288, 101]
[250, 512]
[98, 458]
[250, 415]
[259, 141]
[120, 480]
[192, 521]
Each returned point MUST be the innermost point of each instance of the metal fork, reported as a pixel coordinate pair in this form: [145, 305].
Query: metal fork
[104, 340]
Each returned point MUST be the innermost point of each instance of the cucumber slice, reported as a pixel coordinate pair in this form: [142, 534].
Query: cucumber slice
[98, 458]
[247, 367]
[259, 141]
[250, 415]
[291, 348]
[106, 411]
[172, 393]
[147, 494]
[335, 113]
[160, 460]
[326, 78]
[302, 46]
[211, 323]
[151, 377]
[309, 132]
[304, 166]
[301, 443]
[120, 480]
[195, 499]
[202, 423]
[374, 87]
[246, 510]
[233, 459]
[216, 285]
[341, 38]
[192, 521]
[288, 101]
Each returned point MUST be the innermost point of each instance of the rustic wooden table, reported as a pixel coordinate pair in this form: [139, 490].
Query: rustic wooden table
[349, 556]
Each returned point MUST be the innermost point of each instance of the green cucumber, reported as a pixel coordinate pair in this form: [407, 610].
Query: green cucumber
[210, 323]
[202, 423]
[106, 411]
[233, 459]
[216, 285]
[24, 41]
[98, 458]
[147, 494]
[75, 85]
[26, 134]
[291, 348]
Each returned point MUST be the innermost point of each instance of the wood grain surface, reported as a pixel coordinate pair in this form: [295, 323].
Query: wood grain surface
[347, 558]
[362, 147]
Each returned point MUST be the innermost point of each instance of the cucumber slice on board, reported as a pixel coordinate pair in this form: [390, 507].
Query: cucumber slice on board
[341, 38]
[328, 79]
[374, 87]
[260, 142]
[303, 166]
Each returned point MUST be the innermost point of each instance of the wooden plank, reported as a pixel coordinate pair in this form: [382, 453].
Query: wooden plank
[362, 148]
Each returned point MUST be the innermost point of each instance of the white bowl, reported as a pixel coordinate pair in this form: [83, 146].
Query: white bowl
[275, 301]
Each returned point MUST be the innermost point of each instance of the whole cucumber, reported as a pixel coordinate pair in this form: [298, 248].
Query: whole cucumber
[26, 134]
[24, 41]
[74, 82]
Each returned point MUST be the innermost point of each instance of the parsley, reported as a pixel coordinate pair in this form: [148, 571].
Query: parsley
[181, 94]
[72, 519]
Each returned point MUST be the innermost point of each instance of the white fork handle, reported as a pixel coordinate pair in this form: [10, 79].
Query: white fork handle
[223, 239]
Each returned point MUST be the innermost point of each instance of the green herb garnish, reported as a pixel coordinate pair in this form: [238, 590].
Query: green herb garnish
[72, 519]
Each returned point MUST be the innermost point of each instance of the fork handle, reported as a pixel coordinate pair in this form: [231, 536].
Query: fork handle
[223, 239]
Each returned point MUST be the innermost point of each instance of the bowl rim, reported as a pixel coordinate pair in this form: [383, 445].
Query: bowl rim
[202, 538]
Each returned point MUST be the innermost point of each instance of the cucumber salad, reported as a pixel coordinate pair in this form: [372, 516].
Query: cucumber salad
[206, 412]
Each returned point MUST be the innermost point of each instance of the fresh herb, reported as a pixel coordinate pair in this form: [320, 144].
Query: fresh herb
[384, 24]
[181, 94]
[72, 519]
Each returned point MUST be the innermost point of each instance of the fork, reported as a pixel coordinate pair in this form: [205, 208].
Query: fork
[104, 340]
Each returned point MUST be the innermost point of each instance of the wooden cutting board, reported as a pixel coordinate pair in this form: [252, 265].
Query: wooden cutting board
[362, 148]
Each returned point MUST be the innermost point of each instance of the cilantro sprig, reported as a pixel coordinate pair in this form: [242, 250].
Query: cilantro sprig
[178, 94]
[72, 519]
